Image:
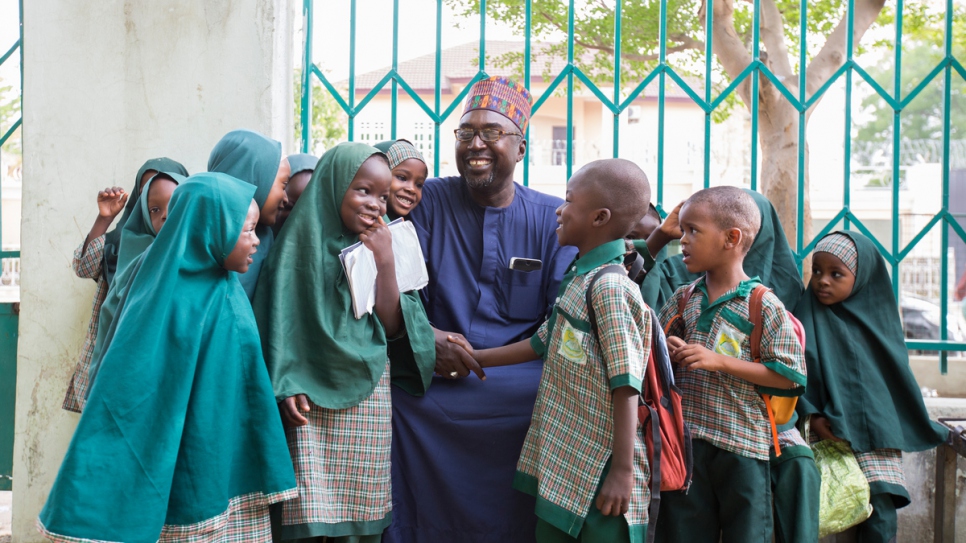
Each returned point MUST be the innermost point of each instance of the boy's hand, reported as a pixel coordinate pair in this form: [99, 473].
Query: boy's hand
[823, 428]
[461, 342]
[292, 409]
[674, 343]
[378, 239]
[110, 202]
[615, 494]
[670, 227]
[697, 357]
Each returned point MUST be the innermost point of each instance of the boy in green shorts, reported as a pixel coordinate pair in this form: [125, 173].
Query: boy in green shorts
[584, 457]
[730, 494]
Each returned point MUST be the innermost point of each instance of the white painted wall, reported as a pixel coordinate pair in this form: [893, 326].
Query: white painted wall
[108, 85]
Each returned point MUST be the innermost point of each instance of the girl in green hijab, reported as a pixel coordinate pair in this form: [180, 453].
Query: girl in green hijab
[409, 173]
[860, 387]
[329, 369]
[180, 439]
[255, 159]
[302, 165]
[139, 232]
[96, 258]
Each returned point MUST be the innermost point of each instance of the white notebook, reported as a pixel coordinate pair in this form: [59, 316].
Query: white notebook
[360, 267]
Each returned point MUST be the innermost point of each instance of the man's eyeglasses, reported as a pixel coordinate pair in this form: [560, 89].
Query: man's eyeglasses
[487, 134]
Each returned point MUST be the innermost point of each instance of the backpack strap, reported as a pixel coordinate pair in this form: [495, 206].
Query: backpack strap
[682, 303]
[757, 319]
[591, 314]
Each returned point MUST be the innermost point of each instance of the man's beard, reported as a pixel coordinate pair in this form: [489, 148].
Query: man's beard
[480, 182]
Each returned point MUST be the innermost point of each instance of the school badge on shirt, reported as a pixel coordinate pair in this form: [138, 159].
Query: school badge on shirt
[728, 341]
[571, 342]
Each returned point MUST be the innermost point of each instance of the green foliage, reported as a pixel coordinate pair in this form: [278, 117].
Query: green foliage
[922, 120]
[328, 119]
[594, 36]
[9, 113]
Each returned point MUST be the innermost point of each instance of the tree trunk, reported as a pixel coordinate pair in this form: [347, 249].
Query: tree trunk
[778, 124]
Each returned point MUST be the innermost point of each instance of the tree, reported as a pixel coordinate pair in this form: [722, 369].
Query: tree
[9, 113]
[827, 22]
[921, 123]
[328, 120]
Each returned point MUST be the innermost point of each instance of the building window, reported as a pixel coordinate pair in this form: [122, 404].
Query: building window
[558, 147]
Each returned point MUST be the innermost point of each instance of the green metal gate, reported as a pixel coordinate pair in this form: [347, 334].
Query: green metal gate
[565, 80]
[9, 316]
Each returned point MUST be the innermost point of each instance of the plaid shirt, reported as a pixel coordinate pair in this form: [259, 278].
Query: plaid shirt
[724, 410]
[87, 265]
[571, 434]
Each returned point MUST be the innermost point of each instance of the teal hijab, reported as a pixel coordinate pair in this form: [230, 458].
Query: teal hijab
[252, 158]
[769, 258]
[136, 237]
[302, 163]
[312, 343]
[858, 366]
[112, 240]
[181, 419]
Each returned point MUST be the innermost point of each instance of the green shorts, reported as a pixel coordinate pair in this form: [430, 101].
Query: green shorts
[729, 501]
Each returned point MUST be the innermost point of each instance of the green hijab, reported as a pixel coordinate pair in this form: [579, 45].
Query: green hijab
[312, 343]
[181, 419]
[858, 366]
[252, 158]
[301, 163]
[769, 258]
[112, 240]
[136, 237]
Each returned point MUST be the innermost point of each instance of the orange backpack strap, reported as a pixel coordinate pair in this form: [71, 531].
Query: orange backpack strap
[682, 303]
[757, 319]
[754, 314]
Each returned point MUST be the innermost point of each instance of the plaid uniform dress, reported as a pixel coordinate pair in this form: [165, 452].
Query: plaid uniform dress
[724, 410]
[342, 464]
[87, 265]
[571, 433]
[247, 520]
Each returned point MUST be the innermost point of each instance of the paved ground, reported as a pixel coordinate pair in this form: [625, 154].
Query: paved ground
[6, 499]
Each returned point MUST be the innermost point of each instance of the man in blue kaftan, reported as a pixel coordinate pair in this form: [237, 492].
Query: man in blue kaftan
[455, 450]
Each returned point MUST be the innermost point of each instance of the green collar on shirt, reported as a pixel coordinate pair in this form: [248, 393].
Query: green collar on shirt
[710, 311]
[598, 256]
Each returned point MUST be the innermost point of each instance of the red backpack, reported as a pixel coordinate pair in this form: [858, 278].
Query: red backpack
[780, 409]
[666, 435]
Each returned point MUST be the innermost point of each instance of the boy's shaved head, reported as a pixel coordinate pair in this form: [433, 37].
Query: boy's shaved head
[620, 186]
[730, 207]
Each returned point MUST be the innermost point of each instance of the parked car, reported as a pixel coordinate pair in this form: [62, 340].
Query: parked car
[920, 320]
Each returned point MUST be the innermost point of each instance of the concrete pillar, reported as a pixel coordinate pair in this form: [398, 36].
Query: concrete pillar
[108, 85]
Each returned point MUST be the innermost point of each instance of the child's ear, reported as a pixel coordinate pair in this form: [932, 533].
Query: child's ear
[733, 238]
[601, 217]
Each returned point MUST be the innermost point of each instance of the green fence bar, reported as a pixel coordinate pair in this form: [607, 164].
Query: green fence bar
[627, 89]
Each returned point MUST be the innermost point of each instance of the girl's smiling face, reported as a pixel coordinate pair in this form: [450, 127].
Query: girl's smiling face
[832, 281]
[240, 257]
[365, 199]
[159, 194]
[406, 191]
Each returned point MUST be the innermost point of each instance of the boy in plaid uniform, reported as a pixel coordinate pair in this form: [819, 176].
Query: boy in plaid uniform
[584, 457]
[730, 494]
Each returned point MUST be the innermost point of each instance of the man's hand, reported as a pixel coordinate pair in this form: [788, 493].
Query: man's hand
[452, 360]
[615, 494]
[110, 202]
[292, 409]
[696, 357]
[822, 427]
